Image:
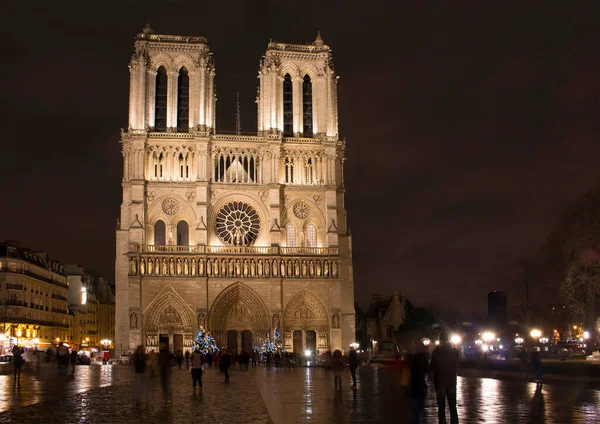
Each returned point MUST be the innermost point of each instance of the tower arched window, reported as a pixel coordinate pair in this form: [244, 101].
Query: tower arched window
[311, 236]
[183, 100]
[160, 233]
[288, 108]
[290, 236]
[307, 109]
[160, 108]
[289, 170]
[308, 171]
[183, 234]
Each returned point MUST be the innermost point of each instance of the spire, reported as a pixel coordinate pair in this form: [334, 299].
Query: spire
[238, 112]
[319, 40]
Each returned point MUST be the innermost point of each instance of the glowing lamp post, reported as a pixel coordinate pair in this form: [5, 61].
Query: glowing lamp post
[455, 339]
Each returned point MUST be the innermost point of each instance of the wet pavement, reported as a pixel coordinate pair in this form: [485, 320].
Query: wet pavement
[105, 394]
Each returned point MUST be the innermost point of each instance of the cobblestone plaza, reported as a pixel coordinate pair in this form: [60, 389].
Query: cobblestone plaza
[104, 394]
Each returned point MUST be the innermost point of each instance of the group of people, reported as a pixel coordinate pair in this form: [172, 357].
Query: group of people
[443, 369]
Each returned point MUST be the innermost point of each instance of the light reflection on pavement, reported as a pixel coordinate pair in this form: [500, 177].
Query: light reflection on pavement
[105, 394]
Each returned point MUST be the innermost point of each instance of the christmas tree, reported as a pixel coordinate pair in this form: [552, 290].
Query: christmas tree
[205, 342]
[270, 347]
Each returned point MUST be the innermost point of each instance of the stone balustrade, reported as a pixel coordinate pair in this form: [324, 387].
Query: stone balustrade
[234, 262]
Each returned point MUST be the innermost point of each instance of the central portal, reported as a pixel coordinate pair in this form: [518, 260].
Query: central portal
[239, 318]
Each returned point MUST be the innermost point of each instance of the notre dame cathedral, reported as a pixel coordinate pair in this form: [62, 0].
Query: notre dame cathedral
[240, 234]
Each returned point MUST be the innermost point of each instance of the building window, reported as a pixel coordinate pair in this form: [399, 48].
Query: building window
[311, 236]
[160, 111]
[182, 234]
[289, 170]
[290, 236]
[308, 171]
[288, 108]
[307, 114]
[183, 101]
[159, 233]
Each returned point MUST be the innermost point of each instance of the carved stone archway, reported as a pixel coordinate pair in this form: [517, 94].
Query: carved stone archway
[238, 308]
[304, 312]
[168, 314]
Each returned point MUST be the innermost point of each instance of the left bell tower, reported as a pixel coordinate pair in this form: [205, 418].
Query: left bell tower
[171, 84]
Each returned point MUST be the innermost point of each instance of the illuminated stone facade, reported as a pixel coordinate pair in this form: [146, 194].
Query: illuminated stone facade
[241, 234]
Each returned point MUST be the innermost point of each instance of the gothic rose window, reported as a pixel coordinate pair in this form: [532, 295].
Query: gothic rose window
[238, 224]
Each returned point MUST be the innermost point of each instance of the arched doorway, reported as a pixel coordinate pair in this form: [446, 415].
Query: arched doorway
[239, 319]
[168, 319]
[306, 324]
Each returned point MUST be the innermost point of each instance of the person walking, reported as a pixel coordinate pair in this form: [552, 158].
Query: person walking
[536, 364]
[165, 363]
[187, 357]
[353, 364]
[196, 365]
[444, 365]
[419, 368]
[73, 360]
[18, 362]
[139, 363]
[225, 363]
[209, 359]
[152, 363]
[179, 358]
[62, 358]
[337, 366]
[253, 358]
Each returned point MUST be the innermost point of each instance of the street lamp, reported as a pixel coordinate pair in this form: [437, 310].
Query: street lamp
[425, 342]
[455, 339]
[535, 333]
[586, 335]
[488, 336]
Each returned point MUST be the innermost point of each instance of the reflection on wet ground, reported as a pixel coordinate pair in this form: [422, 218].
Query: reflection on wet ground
[106, 394]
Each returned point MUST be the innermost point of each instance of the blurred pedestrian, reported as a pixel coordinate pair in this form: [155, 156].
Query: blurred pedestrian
[225, 363]
[139, 363]
[165, 363]
[337, 366]
[353, 364]
[419, 368]
[73, 360]
[187, 357]
[62, 358]
[18, 362]
[152, 363]
[209, 359]
[536, 364]
[254, 355]
[196, 367]
[179, 358]
[444, 365]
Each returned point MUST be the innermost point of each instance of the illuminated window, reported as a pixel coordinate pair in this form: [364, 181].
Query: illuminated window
[307, 114]
[160, 110]
[311, 236]
[290, 236]
[288, 108]
[160, 233]
[183, 101]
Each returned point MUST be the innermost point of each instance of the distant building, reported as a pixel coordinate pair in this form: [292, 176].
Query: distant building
[92, 307]
[384, 316]
[497, 310]
[33, 299]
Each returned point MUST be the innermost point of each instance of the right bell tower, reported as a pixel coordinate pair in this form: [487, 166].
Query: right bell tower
[298, 91]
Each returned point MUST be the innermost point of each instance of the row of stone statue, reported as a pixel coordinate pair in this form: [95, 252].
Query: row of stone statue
[223, 267]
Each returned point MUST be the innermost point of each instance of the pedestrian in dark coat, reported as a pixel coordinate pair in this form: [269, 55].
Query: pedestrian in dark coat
[444, 365]
[353, 364]
[225, 363]
[18, 362]
[165, 363]
[419, 368]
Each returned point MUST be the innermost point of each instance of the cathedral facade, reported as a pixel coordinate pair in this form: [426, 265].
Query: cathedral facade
[239, 234]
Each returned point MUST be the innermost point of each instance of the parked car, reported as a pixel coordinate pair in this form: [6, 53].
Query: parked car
[6, 358]
[83, 360]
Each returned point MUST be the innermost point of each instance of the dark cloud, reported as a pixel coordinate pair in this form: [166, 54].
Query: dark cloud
[469, 125]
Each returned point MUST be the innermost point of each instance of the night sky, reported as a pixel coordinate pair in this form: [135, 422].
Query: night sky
[469, 125]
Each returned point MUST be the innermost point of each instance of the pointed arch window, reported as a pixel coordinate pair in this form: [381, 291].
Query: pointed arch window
[160, 233]
[307, 109]
[308, 171]
[183, 100]
[183, 234]
[288, 108]
[160, 108]
[289, 170]
[290, 236]
[311, 236]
